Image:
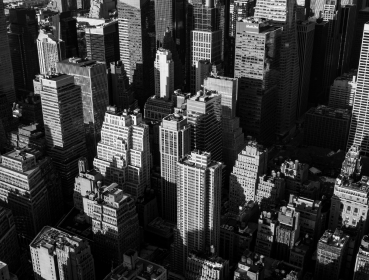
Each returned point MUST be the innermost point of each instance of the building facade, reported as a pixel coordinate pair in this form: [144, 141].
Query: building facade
[362, 260]
[343, 91]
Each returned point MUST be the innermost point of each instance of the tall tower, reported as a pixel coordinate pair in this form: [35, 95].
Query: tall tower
[92, 79]
[65, 28]
[250, 165]
[164, 74]
[233, 138]
[175, 143]
[50, 51]
[6, 70]
[206, 38]
[257, 68]
[199, 183]
[305, 34]
[283, 15]
[61, 100]
[134, 42]
[22, 37]
[358, 134]
[204, 114]
[123, 154]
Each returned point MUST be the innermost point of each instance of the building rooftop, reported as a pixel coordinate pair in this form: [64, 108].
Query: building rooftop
[334, 239]
[330, 112]
[204, 95]
[81, 62]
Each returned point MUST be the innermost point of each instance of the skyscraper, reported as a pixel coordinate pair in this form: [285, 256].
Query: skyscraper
[358, 134]
[50, 51]
[305, 35]
[175, 143]
[102, 41]
[199, 183]
[250, 165]
[122, 96]
[361, 19]
[257, 71]
[92, 79]
[164, 74]
[283, 15]
[123, 154]
[204, 114]
[343, 91]
[58, 255]
[134, 42]
[6, 71]
[22, 37]
[233, 138]
[206, 38]
[39, 198]
[65, 28]
[63, 119]
[332, 248]
[9, 247]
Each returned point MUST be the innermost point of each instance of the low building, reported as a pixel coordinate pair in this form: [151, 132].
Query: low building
[343, 90]
[361, 271]
[270, 191]
[327, 127]
[134, 267]
[251, 266]
[5, 274]
[265, 239]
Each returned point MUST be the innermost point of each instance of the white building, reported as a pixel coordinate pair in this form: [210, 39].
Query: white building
[164, 74]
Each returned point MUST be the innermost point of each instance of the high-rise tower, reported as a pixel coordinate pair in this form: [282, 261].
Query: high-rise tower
[282, 13]
[164, 74]
[199, 183]
[358, 134]
[50, 51]
[92, 79]
[6, 70]
[63, 118]
[175, 143]
[257, 68]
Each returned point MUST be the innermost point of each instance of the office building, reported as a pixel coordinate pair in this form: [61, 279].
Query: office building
[296, 175]
[283, 15]
[6, 71]
[206, 38]
[39, 191]
[31, 137]
[301, 253]
[305, 36]
[251, 266]
[199, 183]
[91, 77]
[312, 217]
[362, 17]
[362, 260]
[349, 204]
[175, 143]
[5, 274]
[117, 230]
[250, 165]
[331, 251]
[233, 138]
[258, 76]
[123, 154]
[31, 109]
[287, 232]
[50, 51]
[326, 127]
[120, 93]
[265, 239]
[135, 46]
[343, 90]
[58, 255]
[134, 267]
[9, 247]
[65, 28]
[359, 121]
[204, 112]
[23, 49]
[61, 100]
[102, 9]
[102, 40]
[206, 265]
[347, 31]
[270, 191]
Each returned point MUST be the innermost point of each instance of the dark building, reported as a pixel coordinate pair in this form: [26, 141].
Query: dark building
[327, 127]
[102, 42]
[65, 28]
[305, 35]
[23, 48]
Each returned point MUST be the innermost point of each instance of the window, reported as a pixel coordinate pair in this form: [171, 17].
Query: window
[348, 209]
[356, 211]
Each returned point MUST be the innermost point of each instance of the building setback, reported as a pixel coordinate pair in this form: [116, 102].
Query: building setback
[327, 127]
[58, 255]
